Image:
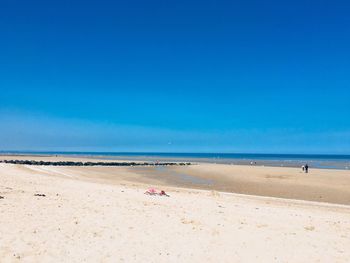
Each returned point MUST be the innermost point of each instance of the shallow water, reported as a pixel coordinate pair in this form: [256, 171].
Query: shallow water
[186, 178]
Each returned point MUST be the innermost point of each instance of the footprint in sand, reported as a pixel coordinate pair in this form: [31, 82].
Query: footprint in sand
[184, 221]
[192, 222]
[214, 193]
[215, 232]
[309, 228]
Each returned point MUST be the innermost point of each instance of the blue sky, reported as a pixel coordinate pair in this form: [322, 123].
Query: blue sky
[188, 76]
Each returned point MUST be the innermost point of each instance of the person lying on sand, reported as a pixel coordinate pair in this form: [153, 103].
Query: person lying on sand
[152, 191]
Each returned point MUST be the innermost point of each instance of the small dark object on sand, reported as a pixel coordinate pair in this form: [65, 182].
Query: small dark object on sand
[43, 195]
[163, 193]
[1, 197]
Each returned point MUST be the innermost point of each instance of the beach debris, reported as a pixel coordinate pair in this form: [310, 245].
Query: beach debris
[1, 197]
[43, 195]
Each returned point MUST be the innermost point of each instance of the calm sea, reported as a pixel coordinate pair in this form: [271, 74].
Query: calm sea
[288, 160]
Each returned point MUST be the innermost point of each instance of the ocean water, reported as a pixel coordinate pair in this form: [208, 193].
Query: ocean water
[324, 161]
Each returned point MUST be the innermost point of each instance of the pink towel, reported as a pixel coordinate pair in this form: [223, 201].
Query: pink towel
[152, 190]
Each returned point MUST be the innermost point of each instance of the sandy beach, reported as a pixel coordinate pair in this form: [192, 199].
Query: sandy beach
[321, 185]
[218, 213]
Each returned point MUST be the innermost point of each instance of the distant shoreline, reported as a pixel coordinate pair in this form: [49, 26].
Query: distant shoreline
[320, 161]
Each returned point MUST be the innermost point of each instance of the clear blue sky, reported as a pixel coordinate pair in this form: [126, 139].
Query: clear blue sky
[191, 76]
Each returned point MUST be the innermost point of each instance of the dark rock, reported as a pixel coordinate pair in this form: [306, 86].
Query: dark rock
[70, 163]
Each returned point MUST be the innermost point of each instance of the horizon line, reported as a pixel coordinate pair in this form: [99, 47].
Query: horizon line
[2, 152]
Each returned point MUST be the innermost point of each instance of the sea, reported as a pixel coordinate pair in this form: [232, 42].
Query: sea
[322, 161]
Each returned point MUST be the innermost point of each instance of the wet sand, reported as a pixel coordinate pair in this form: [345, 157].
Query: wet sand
[323, 185]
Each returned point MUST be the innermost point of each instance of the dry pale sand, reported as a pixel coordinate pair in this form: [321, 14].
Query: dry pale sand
[84, 219]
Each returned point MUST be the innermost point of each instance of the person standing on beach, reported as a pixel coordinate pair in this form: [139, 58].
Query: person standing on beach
[306, 168]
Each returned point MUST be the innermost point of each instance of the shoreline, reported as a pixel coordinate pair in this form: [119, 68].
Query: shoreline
[320, 185]
[334, 164]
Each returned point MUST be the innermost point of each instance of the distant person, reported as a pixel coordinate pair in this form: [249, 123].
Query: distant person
[303, 168]
[306, 168]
